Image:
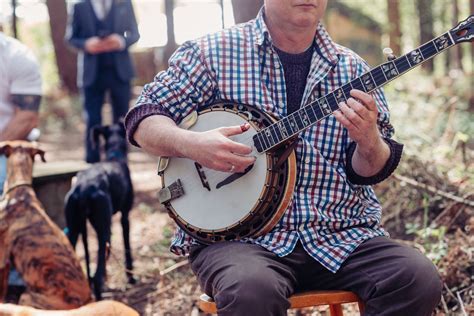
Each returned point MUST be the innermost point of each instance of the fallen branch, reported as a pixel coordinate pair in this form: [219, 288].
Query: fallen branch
[434, 190]
[174, 267]
[461, 304]
[445, 306]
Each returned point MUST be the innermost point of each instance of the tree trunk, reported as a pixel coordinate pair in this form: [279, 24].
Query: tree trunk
[171, 43]
[471, 99]
[456, 56]
[395, 32]
[14, 19]
[425, 13]
[245, 10]
[444, 16]
[65, 57]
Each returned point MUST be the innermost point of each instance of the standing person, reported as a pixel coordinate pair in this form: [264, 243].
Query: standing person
[330, 235]
[20, 94]
[103, 31]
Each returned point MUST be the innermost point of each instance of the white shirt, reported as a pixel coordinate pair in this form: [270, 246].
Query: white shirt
[19, 74]
[101, 8]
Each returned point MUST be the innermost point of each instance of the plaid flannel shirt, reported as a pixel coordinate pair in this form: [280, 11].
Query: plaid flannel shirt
[329, 215]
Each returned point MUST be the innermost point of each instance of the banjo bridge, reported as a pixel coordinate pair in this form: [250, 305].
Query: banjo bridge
[202, 176]
[171, 192]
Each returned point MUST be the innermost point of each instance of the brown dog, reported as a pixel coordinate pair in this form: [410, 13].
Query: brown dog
[103, 308]
[37, 247]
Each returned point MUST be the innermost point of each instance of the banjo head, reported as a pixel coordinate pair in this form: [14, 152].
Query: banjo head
[221, 205]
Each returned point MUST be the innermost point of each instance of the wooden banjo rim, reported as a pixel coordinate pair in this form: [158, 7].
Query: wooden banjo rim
[287, 197]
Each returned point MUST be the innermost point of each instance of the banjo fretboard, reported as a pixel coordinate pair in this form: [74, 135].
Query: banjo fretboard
[308, 115]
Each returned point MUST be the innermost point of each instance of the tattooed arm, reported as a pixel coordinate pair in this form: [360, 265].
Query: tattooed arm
[24, 119]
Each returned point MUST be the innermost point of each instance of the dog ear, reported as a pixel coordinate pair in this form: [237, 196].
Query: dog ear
[5, 149]
[37, 151]
[95, 133]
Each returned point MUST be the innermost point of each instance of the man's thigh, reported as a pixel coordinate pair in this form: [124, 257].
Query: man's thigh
[219, 266]
[386, 274]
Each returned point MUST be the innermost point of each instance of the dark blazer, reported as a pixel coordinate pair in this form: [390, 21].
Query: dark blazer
[82, 26]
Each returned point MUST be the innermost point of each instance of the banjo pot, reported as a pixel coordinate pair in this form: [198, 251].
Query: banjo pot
[213, 206]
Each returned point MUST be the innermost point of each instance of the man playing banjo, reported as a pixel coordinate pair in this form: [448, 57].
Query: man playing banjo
[329, 235]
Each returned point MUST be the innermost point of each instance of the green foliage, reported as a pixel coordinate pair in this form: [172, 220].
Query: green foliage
[432, 117]
[38, 37]
[432, 239]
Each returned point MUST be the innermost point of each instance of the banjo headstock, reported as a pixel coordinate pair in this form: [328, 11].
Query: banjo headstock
[464, 31]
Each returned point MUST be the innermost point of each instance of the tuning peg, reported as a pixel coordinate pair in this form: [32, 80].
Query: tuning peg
[388, 52]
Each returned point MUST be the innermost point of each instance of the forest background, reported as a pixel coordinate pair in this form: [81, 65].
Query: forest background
[429, 201]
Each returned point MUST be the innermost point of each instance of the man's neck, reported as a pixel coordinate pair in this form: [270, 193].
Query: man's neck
[289, 39]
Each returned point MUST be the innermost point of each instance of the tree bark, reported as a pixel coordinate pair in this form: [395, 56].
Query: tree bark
[65, 57]
[425, 13]
[171, 43]
[446, 22]
[245, 10]
[394, 32]
[456, 56]
[471, 99]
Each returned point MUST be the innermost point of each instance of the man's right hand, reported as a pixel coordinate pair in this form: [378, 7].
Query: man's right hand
[215, 150]
[159, 135]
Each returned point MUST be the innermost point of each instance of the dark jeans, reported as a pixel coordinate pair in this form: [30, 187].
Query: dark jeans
[94, 95]
[246, 279]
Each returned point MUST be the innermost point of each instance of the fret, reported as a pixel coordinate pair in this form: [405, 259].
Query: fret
[286, 127]
[269, 136]
[310, 113]
[347, 90]
[257, 144]
[286, 121]
[414, 57]
[368, 82]
[264, 141]
[339, 95]
[378, 76]
[293, 124]
[332, 102]
[283, 130]
[318, 112]
[442, 42]
[402, 64]
[357, 84]
[277, 136]
[305, 117]
[389, 70]
[428, 50]
[325, 109]
[298, 120]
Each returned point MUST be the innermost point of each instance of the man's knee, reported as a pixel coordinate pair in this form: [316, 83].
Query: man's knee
[421, 281]
[253, 293]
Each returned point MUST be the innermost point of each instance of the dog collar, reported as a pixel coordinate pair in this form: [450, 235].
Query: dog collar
[16, 185]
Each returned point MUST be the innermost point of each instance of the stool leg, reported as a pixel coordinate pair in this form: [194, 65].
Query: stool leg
[335, 310]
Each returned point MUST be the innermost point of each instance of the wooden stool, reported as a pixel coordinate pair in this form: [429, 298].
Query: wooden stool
[301, 300]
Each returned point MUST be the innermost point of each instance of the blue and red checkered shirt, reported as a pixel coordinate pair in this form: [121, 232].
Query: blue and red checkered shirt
[329, 215]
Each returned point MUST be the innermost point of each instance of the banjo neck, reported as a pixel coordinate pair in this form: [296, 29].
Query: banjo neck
[285, 129]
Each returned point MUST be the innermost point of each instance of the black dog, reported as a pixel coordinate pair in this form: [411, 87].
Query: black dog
[99, 192]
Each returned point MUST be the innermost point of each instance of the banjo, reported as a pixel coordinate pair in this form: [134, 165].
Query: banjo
[214, 206]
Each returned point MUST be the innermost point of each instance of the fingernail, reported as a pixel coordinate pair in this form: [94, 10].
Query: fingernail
[244, 127]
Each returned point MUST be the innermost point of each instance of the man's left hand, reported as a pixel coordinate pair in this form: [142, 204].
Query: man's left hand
[359, 116]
